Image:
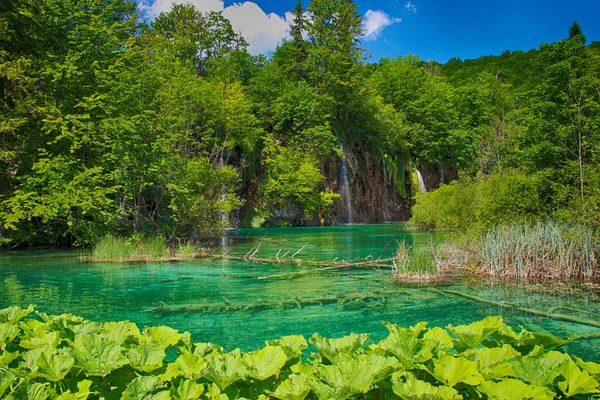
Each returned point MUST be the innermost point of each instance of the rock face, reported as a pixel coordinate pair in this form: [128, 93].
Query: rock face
[373, 194]
[436, 174]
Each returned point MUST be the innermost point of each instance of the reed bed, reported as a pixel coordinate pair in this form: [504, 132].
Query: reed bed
[544, 250]
[115, 249]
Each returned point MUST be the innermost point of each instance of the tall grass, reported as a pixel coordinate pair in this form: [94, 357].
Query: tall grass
[543, 250]
[155, 248]
[113, 248]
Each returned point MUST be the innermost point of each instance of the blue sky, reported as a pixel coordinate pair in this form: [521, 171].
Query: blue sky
[432, 29]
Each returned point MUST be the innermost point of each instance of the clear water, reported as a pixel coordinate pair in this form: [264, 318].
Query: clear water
[57, 282]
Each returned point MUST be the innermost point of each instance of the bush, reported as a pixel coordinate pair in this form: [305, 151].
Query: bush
[477, 206]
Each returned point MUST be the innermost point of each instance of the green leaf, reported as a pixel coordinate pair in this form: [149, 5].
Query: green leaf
[453, 370]
[8, 333]
[190, 365]
[411, 388]
[473, 334]
[54, 367]
[82, 394]
[119, 332]
[6, 379]
[577, 381]
[7, 357]
[214, 393]
[265, 363]
[224, 369]
[542, 370]
[591, 367]
[12, 315]
[50, 339]
[493, 362]
[29, 390]
[163, 335]
[513, 389]
[441, 338]
[188, 390]
[292, 345]
[332, 348]
[146, 357]
[143, 387]
[351, 375]
[296, 387]
[405, 344]
[96, 355]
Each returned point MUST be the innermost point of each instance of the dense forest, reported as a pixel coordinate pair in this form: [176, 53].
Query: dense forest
[110, 124]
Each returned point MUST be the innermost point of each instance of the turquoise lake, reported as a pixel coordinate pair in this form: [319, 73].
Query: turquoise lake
[57, 282]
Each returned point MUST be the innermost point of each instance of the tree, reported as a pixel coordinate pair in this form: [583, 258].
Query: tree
[576, 33]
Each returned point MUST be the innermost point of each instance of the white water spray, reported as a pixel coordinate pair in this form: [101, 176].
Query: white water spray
[345, 186]
[421, 182]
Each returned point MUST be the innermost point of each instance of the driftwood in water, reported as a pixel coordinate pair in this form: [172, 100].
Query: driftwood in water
[558, 317]
[273, 304]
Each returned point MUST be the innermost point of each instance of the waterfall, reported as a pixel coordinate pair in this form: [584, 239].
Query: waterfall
[224, 214]
[345, 186]
[421, 182]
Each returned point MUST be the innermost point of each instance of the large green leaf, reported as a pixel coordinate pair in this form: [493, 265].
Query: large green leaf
[405, 344]
[119, 332]
[332, 348]
[441, 338]
[292, 345]
[357, 374]
[542, 370]
[163, 335]
[6, 358]
[29, 390]
[82, 393]
[296, 387]
[187, 390]
[54, 367]
[577, 381]
[507, 335]
[452, 370]
[591, 367]
[12, 315]
[146, 357]
[224, 369]
[43, 340]
[6, 379]
[8, 332]
[473, 334]
[265, 363]
[145, 388]
[408, 387]
[513, 389]
[190, 365]
[96, 355]
[493, 362]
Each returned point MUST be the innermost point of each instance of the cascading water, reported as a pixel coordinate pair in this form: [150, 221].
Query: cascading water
[345, 186]
[224, 215]
[421, 182]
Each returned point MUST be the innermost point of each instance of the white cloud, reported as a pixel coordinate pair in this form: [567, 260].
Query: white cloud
[375, 22]
[262, 31]
[410, 7]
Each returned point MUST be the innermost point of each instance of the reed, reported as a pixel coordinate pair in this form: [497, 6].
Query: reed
[544, 250]
[113, 248]
[155, 248]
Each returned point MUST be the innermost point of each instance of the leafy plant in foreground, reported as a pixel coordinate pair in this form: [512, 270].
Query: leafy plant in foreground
[69, 358]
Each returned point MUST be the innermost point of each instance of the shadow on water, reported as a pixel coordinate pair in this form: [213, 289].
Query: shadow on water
[222, 301]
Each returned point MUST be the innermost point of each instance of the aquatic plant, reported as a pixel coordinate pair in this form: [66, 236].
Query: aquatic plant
[155, 247]
[541, 250]
[66, 357]
[113, 248]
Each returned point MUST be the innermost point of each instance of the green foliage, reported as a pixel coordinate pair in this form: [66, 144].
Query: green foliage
[115, 360]
[479, 205]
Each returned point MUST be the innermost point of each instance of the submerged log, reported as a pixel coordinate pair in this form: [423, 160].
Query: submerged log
[378, 296]
[516, 307]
